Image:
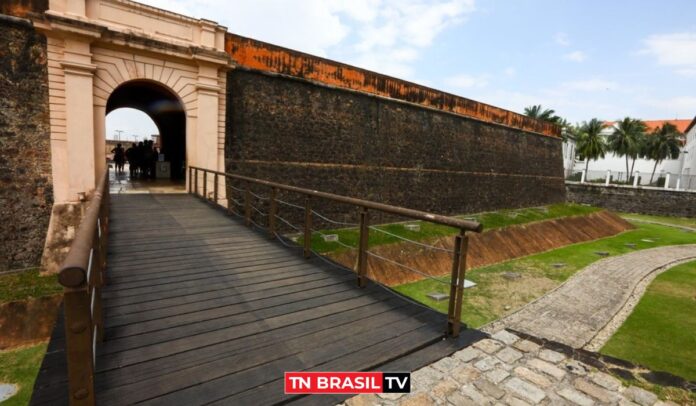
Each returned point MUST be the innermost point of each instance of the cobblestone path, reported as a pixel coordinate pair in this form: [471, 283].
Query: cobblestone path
[592, 304]
[508, 370]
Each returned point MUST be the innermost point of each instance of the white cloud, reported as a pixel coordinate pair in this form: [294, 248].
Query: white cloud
[677, 50]
[575, 56]
[590, 85]
[401, 25]
[671, 107]
[561, 38]
[382, 35]
[465, 81]
[510, 71]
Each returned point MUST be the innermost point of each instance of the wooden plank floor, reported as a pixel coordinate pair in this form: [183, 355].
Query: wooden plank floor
[200, 309]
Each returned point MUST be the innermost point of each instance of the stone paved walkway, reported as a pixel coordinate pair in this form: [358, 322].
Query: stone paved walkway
[507, 370]
[577, 311]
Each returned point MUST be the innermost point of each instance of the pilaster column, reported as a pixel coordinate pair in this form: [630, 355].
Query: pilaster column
[79, 115]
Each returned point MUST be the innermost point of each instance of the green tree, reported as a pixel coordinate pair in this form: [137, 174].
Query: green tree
[626, 138]
[590, 142]
[664, 143]
[541, 113]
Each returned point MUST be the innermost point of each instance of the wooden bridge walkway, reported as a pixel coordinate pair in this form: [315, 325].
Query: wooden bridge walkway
[200, 309]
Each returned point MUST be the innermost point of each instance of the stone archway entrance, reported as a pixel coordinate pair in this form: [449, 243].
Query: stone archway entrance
[105, 54]
[165, 110]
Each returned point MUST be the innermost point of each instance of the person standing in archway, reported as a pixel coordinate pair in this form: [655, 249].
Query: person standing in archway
[119, 158]
[132, 162]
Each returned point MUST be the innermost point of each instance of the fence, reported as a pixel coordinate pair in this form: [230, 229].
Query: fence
[245, 207]
[664, 180]
[82, 276]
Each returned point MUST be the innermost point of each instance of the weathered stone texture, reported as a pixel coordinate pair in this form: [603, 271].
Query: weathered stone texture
[26, 192]
[349, 143]
[659, 202]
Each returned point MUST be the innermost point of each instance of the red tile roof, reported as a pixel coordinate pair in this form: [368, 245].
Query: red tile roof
[682, 125]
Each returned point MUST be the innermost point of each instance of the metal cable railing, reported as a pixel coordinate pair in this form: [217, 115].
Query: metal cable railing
[365, 206]
[420, 244]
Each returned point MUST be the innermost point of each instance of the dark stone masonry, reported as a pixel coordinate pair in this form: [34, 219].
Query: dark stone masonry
[26, 193]
[658, 202]
[309, 135]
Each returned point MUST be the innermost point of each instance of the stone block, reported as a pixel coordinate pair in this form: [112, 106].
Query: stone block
[551, 356]
[605, 380]
[533, 377]
[457, 399]
[547, 368]
[526, 346]
[465, 374]
[488, 346]
[497, 375]
[467, 354]
[418, 399]
[575, 397]
[445, 364]
[472, 393]
[487, 363]
[525, 390]
[509, 355]
[595, 391]
[505, 337]
[444, 388]
[489, 388]
[640, 396]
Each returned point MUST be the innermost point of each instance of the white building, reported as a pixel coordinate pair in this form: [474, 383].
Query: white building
[597, 169]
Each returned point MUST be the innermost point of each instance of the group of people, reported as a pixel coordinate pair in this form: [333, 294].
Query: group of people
[142, 159]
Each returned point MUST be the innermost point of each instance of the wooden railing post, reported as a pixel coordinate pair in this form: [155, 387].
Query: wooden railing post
[308, 227]
[195, 181]
[247, 205]
[205, 184]
[215, 188]
[190, 179]
[454, 312]
[273, 211]
[78, 336]
[82, 276]
[362, 248]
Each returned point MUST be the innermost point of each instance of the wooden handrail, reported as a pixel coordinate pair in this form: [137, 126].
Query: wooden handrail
[82, 276]
[466, 225]
[460, 240]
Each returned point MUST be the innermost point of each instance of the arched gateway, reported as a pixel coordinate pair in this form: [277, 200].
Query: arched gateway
[106, 54]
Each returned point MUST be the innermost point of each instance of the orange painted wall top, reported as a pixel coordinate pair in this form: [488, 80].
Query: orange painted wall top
[262, 56]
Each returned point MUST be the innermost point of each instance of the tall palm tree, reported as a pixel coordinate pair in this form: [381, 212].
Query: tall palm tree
[625, 140]
[540, 113]
[591, 143]
[641, 142]
[664, 143]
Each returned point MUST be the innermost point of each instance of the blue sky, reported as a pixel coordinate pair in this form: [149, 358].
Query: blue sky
[585, 59]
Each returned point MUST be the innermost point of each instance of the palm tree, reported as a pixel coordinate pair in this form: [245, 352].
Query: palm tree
[641, 143]
[591, 143]
[664, 143]
[540, 113]
[624, 141]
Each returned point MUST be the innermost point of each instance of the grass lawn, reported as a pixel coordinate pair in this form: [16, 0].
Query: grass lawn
[20, 366]
[660, 333]
[678, 221]
[27, 284]
[490, 220]
[495, 295]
